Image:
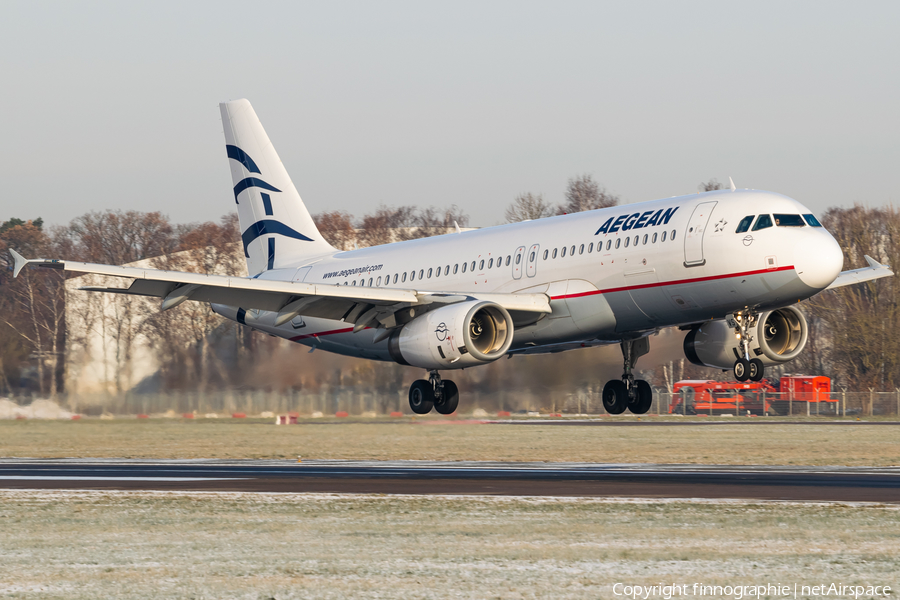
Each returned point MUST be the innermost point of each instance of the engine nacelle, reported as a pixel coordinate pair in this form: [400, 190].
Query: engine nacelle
[454, 336]
[779, 337]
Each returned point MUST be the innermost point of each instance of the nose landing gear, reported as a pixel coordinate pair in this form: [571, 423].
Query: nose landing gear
[442, 395]
[634, 394]
[745, 367]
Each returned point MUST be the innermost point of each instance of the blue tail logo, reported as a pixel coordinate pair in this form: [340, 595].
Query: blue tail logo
[266, 226]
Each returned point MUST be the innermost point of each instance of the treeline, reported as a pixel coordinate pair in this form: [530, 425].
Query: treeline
[46, 327]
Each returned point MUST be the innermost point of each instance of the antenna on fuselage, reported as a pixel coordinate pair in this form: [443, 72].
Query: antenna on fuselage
[730, 180]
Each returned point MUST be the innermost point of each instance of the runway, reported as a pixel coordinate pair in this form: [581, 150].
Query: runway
[846, 484]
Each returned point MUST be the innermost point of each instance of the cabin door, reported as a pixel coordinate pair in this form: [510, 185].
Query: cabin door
[693, 235]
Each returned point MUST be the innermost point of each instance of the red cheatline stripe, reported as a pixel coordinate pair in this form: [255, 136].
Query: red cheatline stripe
[321, 333]
[665, 283]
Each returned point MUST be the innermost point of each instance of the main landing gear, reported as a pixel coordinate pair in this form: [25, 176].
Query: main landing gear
[745, 367]
[437, 393]
[634, 394]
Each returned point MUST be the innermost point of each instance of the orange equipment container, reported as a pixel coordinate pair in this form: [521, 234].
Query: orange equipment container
[807, 388]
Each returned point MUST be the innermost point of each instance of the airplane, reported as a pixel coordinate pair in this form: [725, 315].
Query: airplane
[727, 266]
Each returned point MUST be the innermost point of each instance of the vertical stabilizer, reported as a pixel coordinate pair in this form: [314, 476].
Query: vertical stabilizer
[276, 229]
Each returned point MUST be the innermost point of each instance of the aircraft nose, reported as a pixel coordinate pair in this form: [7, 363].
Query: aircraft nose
[818, 261]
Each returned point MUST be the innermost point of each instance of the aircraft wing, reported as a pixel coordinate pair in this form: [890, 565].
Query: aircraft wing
[353, 304]
[875, 270]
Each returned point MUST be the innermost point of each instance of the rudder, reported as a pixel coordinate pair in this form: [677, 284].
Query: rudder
[277, 229]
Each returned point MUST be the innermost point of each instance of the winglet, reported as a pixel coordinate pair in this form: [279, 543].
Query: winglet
[21, 261]
[872, 262]
[457, 227]
[730, 180]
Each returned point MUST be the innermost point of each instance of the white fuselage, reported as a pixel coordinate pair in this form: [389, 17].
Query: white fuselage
[611, 274]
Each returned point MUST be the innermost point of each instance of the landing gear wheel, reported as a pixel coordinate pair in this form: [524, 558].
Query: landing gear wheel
[643, 397]
[742, 369]
[421, 397]
[615, 397]
[449, 400]
[757, 369]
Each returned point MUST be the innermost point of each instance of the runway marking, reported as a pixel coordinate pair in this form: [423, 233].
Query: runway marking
[105, 478]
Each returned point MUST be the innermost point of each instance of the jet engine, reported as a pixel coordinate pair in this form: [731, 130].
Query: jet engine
[779, 336]
[456, 336]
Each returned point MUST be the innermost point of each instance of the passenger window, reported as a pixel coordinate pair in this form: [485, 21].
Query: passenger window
[546, 254]
[554, 253]
[645, 239]
[581, 249]
[663, 238]
[572, 251]
[412, 275]
[672, 236]
[404, 277]
[591, 248]
[654, 239]
[636, 238]
[473, 265]
[481, 265]
[370, 282]
[421, 273]
[812, 221]
[491, 264]
[618, 242]
[744, 225]
[763, 222]
[395, 278]
[378, 281]
[455, 269]
[608, 244]
[465, 265]
[563, 254]
[353, 283]
[507, 260]
[429, 273]
[789, 221]
[627, 241]
[447, 270]
[532, 257]
[518, 258]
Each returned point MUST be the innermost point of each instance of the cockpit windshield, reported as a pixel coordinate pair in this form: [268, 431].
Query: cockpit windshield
[789, 221]
[763, 222]
[744, 225]
[812, 221]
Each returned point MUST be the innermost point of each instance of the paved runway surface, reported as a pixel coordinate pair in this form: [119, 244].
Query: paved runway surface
[422, 477]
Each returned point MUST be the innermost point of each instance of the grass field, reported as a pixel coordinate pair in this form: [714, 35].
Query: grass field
[137, 545]
[764, 444]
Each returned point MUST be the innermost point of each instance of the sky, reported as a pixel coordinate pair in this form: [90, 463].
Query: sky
[115, 105]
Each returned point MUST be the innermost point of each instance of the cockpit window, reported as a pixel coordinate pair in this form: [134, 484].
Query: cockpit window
[744, 225]
[762, 222]
[789, 221]
[812, 221]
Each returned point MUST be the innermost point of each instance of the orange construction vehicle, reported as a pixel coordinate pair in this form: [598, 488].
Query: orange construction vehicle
[700, 396]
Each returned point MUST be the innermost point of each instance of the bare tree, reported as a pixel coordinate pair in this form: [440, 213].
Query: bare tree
[37, 299]
[710, 186]
[528, 207]
[583, 193]
[337, 228]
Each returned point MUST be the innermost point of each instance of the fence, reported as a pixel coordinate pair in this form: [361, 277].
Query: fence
[360, 400]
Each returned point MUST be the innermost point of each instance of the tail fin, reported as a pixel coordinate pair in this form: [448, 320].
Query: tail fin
[277, 229]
